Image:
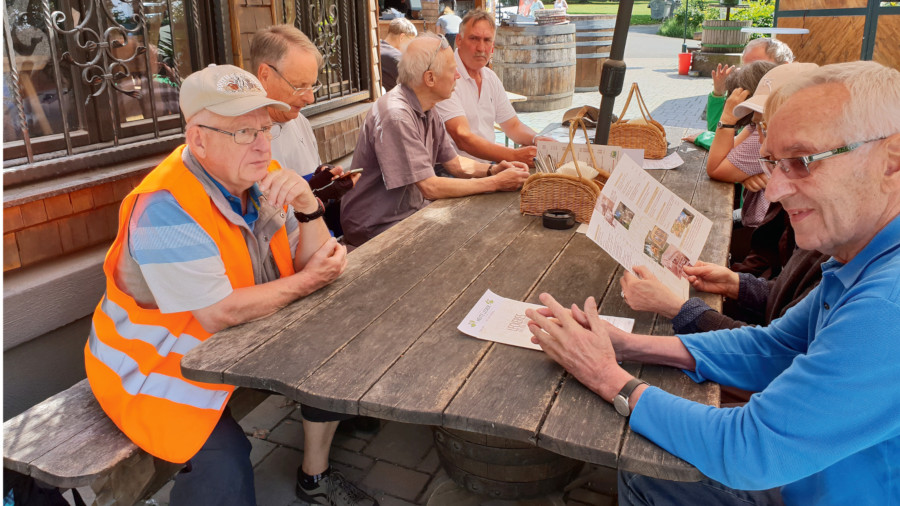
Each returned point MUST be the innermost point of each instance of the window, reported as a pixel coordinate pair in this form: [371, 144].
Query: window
[338, 29]
[102, 78]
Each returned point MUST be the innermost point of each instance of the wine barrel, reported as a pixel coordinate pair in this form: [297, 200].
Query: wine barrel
[502, 468]
[593, 39]
[724, 36]
[538, 62]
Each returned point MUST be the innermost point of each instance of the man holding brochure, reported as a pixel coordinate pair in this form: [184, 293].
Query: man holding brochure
[823, 428]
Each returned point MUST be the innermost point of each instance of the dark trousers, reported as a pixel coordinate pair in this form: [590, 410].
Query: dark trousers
[637, 490]
[220, 474]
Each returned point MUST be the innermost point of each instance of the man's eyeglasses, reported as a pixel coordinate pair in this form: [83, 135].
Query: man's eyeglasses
[443, 45]
[297, 91]
[798, 168]
[248, 135]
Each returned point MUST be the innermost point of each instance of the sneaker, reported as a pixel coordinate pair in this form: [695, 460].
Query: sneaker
[335, 490]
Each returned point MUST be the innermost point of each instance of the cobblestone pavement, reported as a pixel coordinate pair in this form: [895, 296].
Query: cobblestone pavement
[398, 465]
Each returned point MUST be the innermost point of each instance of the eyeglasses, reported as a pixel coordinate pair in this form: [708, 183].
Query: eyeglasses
[798, 168]
[443, 45]
[762, 127]
[297, 91]
[248, 135]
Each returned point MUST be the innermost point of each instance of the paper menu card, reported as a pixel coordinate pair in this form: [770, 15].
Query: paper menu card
[638, 221]
[502, 320]
[607, 156]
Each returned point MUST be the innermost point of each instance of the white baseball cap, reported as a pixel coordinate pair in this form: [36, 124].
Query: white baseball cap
[225, 90]
[774, 79]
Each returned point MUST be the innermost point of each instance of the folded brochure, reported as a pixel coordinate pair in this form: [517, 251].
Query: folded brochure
[502, 320]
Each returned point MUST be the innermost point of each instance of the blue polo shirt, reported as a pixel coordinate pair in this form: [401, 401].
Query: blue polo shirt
[825, 425]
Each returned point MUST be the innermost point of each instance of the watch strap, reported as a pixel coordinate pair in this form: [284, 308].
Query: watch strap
[725, 125]
[306, 218]
[622, 400]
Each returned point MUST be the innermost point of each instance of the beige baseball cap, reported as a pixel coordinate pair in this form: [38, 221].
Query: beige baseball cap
[225, 90]
[774, 79]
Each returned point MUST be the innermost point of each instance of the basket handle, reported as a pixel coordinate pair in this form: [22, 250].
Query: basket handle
[640, 102]
[573, 129]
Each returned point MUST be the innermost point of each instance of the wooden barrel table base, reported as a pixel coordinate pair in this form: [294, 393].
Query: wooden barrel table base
[502, 468]
[538, 62]
[593, 40]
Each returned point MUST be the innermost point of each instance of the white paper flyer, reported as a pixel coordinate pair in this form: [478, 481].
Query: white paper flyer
[502, 320]
[638, 221]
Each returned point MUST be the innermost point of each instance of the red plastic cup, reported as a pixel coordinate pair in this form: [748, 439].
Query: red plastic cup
[684, 63]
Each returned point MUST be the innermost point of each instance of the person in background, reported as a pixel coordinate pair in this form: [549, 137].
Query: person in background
[401, 6]
[761, 49]
[560, 4]
[448, 25]
[735, 148]
[479, 100]
[402, 140]
[400, 32]
[282, 55]
[823, 428]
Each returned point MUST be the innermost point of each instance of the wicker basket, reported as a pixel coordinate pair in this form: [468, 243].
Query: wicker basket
[544, 191]
[649, 136]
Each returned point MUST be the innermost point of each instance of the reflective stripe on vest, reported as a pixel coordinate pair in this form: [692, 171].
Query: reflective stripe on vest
[133, 355]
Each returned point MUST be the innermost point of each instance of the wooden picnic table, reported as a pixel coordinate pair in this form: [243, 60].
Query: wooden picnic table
[382, 339]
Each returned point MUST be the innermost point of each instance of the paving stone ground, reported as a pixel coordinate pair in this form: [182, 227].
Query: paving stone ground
[398, 465]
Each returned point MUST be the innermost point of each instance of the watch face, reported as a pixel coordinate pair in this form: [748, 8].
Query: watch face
[621, 404]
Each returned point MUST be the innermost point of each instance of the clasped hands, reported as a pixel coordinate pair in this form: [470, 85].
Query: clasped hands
[286, 187]
[581, 342]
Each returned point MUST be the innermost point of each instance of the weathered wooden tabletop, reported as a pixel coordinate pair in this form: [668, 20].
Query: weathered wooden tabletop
[382, 339]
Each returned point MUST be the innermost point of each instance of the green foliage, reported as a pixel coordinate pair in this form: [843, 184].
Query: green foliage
[640, 14]
[697, 13]
[761, 13]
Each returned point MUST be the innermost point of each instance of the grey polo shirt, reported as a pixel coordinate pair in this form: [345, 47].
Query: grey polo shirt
[398, 145]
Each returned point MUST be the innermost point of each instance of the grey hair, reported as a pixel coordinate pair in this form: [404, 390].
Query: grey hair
[402, 26]
[777, 51]
[416, 58]
[873, 110]
[271, 44]
[474, 16]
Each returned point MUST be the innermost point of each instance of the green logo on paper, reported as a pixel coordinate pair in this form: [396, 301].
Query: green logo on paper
[471, 323]
[489, 301]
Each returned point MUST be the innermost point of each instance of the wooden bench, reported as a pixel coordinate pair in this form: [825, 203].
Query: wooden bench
[67, 441]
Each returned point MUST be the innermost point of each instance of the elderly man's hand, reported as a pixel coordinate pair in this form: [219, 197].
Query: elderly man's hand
[713, 278]
[587, 353]
[326, 264]
[283, 187]
[718, 76]
[511, 176]
[645, 292]
[756, 183]
[525, 154]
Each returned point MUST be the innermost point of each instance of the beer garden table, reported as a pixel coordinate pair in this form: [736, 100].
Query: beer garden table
[382, 340]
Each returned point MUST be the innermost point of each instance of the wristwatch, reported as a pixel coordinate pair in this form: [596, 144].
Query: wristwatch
[306, 218]
[620, 401]
[724, 125]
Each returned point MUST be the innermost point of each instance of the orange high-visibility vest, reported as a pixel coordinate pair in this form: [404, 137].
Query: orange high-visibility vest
[133, 354]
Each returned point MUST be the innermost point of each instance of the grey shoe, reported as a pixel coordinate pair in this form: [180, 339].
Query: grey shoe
[335, 490]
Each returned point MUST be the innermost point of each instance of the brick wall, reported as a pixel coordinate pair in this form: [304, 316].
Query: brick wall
[54, 226]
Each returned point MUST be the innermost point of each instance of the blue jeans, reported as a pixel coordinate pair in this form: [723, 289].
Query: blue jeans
[220, 474]
[635, 489]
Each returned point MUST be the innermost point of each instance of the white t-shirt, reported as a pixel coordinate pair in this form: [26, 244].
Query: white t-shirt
[450, 23]
[296, 147]
[481, 111]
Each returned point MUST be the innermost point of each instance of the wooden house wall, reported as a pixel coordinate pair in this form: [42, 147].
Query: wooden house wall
[838, 28]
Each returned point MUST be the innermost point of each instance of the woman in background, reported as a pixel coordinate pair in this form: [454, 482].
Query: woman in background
[448, 25]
